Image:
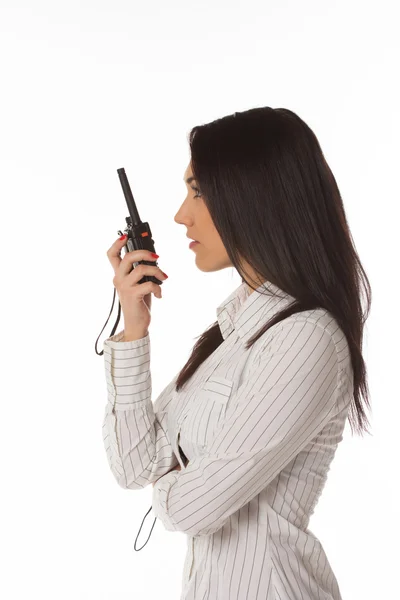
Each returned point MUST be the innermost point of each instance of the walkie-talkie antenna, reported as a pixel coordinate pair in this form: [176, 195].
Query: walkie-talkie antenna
[126, 188]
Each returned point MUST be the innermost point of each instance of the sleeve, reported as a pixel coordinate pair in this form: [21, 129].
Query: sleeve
[287, 398]
[135, 434]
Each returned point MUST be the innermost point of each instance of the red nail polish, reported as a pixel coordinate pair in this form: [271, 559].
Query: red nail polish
[122, 237]
[155, 255]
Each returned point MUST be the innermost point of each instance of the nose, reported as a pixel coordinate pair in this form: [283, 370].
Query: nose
[183, 217]
[176, 217]
[180, 219]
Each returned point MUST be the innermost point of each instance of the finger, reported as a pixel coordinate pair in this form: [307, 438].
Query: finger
[142, 270]
[142, 291]
[125, 266]
[114, 253]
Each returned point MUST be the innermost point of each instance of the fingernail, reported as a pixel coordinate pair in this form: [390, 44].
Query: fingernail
[122, 237]
[155, 255]
[165, 275]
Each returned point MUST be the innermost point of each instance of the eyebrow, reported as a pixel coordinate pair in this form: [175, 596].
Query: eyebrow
[189, 179]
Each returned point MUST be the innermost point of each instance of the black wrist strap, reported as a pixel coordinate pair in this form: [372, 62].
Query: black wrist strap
[155, 519]
[115, 326]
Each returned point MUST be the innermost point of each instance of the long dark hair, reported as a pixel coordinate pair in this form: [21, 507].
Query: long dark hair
[275, 203]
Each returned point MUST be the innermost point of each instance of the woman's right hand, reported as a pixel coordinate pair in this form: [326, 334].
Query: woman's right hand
[135, 298]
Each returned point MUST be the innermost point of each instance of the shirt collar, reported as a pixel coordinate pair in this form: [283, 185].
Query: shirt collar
[246, 312]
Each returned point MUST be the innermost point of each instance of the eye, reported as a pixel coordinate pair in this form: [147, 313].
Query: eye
[195, 189]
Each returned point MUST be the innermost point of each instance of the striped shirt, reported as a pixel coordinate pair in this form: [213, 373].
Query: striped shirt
[259, 428]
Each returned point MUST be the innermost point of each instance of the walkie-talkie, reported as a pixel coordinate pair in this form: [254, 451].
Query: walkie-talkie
[138, 238]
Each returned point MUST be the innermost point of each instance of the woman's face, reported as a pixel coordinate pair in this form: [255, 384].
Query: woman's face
[210, 252]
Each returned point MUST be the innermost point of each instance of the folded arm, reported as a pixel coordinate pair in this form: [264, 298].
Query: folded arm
[289, 395]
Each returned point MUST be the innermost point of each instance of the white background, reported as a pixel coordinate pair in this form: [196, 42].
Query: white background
[87, 88]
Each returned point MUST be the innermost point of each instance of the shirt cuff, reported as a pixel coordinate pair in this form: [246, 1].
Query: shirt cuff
[161, 493]
[116, 341]
[127, 370]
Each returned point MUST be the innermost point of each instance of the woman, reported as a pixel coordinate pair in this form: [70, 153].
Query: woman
[239, 444]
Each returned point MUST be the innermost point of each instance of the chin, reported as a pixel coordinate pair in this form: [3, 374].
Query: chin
[212, 266]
